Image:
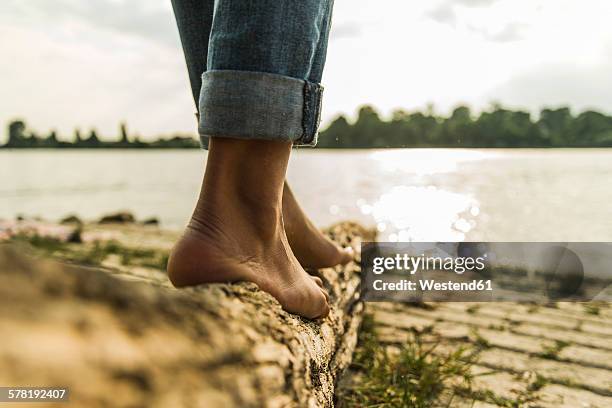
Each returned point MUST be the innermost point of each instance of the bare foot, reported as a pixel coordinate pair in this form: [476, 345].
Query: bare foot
[311, 247]
[236, 232]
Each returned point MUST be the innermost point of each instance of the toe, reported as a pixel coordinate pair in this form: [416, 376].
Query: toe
[325, 294]
[321, 306]
[317, 280]
[348, 254]
[325, 311]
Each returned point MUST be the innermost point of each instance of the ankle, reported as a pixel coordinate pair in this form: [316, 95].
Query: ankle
[231, 215]
[243, 187]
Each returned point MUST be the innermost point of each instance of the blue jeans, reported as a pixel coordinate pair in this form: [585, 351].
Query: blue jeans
[255, 66]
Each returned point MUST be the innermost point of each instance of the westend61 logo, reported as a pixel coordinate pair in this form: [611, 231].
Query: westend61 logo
[406, 264]
[480, 271]
[412, 264]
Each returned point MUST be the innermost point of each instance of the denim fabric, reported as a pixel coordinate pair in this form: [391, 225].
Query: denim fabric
[255, 66]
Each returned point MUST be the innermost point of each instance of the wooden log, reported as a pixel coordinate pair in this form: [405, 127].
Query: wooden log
[132, 340]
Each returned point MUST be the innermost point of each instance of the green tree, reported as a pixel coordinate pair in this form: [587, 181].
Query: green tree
[590, 129]
[16, 135]
[554, 126]
[458, 129]
[421, 129]
[368, 130]
[124, 140]
[337, 134]
[92, 140]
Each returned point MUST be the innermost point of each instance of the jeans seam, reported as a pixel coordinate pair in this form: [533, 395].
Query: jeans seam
[306, 113]
[311, 114]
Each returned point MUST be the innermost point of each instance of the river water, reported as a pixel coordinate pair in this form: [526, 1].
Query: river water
[408, 194]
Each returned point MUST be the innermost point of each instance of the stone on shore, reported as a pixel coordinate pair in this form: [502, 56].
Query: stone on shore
[122, 217]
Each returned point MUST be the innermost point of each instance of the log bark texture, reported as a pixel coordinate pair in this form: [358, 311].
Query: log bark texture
[126, 338]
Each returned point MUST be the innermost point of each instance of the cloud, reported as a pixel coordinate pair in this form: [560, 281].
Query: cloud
[152, 20]
[473, 3]
[345, 30]
[149, 19]
[446, 12]
[508, 33]
[552, 85]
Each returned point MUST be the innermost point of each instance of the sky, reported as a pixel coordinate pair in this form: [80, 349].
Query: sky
[92, 64]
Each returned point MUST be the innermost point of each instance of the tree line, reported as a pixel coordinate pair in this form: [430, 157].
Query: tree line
[498, 127]
[19, 137]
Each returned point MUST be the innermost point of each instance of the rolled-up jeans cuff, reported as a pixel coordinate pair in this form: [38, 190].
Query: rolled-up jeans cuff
[259, 105]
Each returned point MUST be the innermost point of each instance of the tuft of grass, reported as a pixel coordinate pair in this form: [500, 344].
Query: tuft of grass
[490, 397]
[479, 341]
[522, 398]
[510, 322]
[591, 308]
[552, 305]
[416, 376]
[537, 384]
[95, 253]
[367, 343]
[472, 309]
[421, 305]
[551, 351]
[39, 242]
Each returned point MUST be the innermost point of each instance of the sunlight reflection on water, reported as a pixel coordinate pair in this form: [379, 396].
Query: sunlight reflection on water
[405, 212]
[422, 214]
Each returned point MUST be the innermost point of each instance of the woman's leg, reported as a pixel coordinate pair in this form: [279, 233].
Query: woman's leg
[194, 20]
[312, 248]
[256, 101]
